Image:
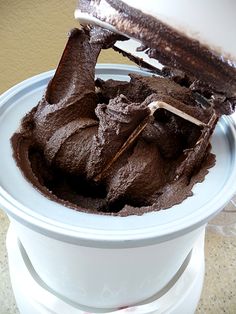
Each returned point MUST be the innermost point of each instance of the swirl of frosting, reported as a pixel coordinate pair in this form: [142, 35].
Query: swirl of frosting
[81, 124]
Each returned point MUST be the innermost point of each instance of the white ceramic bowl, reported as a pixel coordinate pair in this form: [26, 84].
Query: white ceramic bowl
[105, 261]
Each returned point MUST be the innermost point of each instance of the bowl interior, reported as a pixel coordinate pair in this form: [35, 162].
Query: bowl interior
[20, 198]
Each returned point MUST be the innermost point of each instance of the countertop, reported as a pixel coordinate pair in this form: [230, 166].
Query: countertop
[219, 291]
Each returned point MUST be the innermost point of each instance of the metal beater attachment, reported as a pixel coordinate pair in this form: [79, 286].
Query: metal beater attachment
[153, 107]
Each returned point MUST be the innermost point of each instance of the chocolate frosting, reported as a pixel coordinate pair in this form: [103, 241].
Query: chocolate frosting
[81, 123]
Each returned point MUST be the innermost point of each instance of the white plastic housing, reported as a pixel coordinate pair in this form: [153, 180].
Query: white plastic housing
[211, 22]
[33, 296]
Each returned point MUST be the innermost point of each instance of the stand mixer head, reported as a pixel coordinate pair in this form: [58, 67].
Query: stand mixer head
[185, 35]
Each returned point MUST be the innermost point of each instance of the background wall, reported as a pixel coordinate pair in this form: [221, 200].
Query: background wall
[32, 38]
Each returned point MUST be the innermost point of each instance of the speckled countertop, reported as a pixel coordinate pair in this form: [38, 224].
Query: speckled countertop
[219, 292]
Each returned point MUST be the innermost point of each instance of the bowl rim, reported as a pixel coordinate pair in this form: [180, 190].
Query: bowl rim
[98, 238]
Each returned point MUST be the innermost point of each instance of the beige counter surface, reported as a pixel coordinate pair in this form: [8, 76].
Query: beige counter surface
[219, 292]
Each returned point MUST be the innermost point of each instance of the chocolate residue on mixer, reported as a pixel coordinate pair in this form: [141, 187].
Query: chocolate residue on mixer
[210, 72]
[80, 124]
